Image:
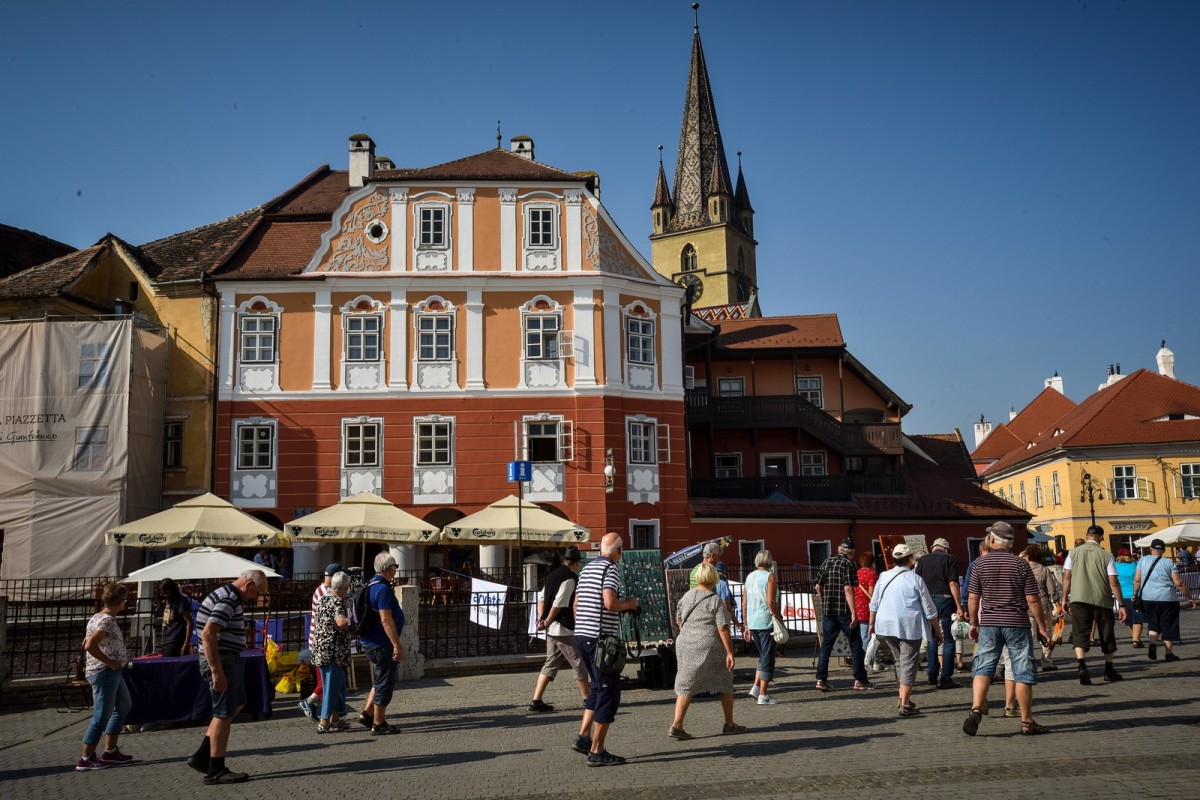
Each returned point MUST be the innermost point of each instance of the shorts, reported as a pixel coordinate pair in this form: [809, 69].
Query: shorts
[764, 640]
[1082, 617]
[560, 651]
[1019, 641]
[226, 704]
[1163, 618]
[385, 672]
[1132, 615]
[604, 696]
[907, 654]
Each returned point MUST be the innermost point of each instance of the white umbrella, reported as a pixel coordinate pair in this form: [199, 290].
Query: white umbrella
[203, 520]
[199, 563]
[365, 517]
[498, 524]
[1186, 532]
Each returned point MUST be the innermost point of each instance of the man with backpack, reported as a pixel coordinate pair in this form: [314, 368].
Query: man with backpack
[379, 622]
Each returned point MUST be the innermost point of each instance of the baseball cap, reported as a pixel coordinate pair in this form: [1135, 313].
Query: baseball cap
[333, 569]
[941, 543]
[1002, 530]
[901, 551]
[847, 544]
[571, 554]
[1158, 544]
[712, 549]
[1124, 551]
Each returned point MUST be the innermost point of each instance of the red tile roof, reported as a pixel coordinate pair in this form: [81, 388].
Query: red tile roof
[20, 248]
[495, 165]
[45, 280]
[192, 254]
[1000, 441]
[816, 330]
[317, 194]
[275, 248]
[1042, 412]
[945, 490]
[1124, 413]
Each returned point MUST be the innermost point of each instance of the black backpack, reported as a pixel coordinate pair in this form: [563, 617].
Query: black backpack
[365, 619]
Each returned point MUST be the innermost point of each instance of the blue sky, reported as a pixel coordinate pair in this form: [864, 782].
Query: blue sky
[984, 192]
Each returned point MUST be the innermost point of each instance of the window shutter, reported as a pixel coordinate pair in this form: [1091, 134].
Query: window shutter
[566, 441]
[517, 429]
[1178, 487]
[1108, 489]
[1145, 489]
[664, 443]
[689, 377]
[566, 344]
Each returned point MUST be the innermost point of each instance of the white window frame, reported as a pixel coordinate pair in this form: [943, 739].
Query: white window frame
[650, 523]
[564, 435]
[271, 439]
[436, 310]
[419, 233]
[91, 449]
[814, 463]
[544, 340]
[1037, 491]
[1189, 481]
[1022, 495]
[809, 390]
[527, 213]
[728, 470]
[731, 387]
[256, 351]
[364, 335]
[1124, 483]
[433, 422]
[642, 441]
[828, 548]
[1055, 489]
[640, 344]
[762, 465]
[362, 423]
[95, 364]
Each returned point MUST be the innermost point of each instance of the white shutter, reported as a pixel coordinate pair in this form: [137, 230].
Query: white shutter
[566, 344]
[518, 429]
[689, 377]
[664, 443]
[566, 441]
[1145, 489]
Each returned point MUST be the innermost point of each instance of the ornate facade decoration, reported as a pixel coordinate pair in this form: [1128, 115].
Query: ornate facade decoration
[354, 251]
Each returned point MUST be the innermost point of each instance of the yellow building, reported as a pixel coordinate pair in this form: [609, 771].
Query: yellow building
[1128, 457]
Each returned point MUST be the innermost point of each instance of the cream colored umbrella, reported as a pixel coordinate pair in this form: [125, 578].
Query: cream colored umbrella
[199, 563]
[365, 517]
[204, 520]
[1186, 532]
[499, 524]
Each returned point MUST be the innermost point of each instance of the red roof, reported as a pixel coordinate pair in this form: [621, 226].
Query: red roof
[495, 165]
[816, 330]
[1000, 441]
[45, 280]
[1142, 408]
[276, 248]
[945, 490]
[1042, 412]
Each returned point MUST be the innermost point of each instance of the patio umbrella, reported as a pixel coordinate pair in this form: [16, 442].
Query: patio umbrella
[203, 520]
[497, 524]
[199, 563]
[691, 555]
[1186, 532]
[365, 517]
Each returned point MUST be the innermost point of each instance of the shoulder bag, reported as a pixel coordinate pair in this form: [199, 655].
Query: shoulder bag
[610, 650]
[1137, 597]
[778, 632]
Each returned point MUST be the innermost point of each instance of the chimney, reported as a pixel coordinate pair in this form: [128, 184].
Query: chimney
[362, 159]
[521, 146]
[982, 429]
[1056, 383]
[1166, 361]
[1012, 413]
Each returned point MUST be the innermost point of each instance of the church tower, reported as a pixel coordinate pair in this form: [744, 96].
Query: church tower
[703, 232]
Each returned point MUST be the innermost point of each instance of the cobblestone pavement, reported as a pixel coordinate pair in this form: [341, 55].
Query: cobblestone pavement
[471, 737]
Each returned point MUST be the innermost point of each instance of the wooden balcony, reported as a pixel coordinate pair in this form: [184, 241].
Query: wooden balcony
[786, 411]
[809, 488]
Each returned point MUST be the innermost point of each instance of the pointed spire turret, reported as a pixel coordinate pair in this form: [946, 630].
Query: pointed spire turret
[662, 206]
[741, 201]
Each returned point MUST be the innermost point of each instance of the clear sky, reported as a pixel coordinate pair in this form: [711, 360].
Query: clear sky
[984, 192]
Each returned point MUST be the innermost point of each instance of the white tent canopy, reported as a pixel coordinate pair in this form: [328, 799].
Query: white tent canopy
[498, 524]
[199, 563]
[204, 520]
[365, 517]
[1181, 533]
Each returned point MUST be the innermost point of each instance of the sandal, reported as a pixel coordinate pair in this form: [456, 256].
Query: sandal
[1033, 729]
[971, 725]
[1009, 713]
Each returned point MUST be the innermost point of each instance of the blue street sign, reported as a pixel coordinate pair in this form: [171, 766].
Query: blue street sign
[520, 471]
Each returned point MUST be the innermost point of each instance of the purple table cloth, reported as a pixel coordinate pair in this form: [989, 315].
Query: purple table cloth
[171, 689]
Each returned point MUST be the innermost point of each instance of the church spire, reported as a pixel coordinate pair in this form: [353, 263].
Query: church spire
[700, 164]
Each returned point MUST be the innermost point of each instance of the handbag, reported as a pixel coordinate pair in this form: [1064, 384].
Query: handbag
[610, 650]
[778, 632]
[1138, 605]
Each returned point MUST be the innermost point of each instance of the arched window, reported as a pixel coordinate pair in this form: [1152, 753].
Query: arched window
[688, 259]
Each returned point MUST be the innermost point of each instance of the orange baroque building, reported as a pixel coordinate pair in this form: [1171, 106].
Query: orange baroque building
[410, 331]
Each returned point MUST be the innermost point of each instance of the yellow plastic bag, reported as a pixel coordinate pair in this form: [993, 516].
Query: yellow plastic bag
[272, 655]
[287, 684]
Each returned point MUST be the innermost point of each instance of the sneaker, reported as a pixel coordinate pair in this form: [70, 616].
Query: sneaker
[862, 686]
[679, 734]
[767, 700]
[308, 710]
[604, 759]
[908, 710]
[877, 667]
[226, 776]
[384, 730]
[1170, 657]
[754, 690]
[583, 744]
[1010, 713]
[933, 681]
[823, 686]
[1112, 676]
[114, 758]
[732, 729]
[314, 700]
[89, 764]
[541, 708]
[1084, 678]
[1153, 652]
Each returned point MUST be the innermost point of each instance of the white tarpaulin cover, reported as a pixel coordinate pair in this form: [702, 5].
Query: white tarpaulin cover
[199, 563]
[81, 411]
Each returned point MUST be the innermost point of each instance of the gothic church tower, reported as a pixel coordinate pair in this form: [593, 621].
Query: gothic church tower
[704, 233]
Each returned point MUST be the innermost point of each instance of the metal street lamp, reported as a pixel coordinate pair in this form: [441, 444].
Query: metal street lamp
[1090, 491]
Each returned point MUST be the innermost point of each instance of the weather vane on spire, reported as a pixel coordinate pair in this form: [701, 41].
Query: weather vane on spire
[696, 13]
[660, 155]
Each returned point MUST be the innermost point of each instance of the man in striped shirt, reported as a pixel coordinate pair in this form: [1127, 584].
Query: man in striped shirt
[598, 606]
[1002, 596]
[223, 637]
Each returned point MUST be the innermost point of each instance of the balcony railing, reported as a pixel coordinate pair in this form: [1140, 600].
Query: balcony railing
[794, 411]
[807, 488]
